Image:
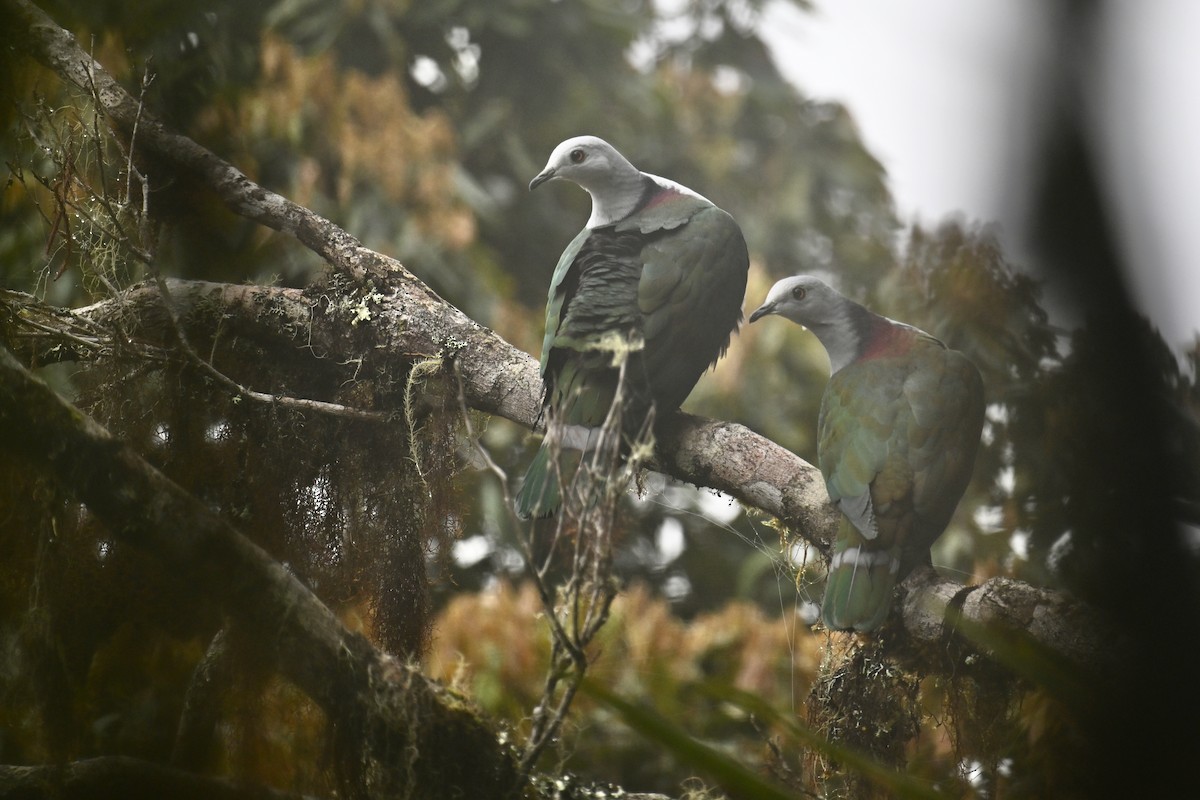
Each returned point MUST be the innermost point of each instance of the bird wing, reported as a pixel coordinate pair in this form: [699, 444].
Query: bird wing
[690, 297]
[670, 277]
[560, 290]
[592, 312]
[945, 400]
[898, 436]
[663, 210]
[855, 429]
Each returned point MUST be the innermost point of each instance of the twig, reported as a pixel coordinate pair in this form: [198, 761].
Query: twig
[91, 344]
[590, 504]
[488, 461]
[544, 725]
[147, 258]
[283, 401]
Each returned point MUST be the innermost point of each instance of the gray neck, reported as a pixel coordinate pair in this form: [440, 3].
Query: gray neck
[842, 331]
[840, 342]
[618, 195]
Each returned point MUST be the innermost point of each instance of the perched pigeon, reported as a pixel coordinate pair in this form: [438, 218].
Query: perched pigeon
[898, 429]
[658, 268]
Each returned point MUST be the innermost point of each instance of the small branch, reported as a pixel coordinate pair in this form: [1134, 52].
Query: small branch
[284, 401]
[61, 333]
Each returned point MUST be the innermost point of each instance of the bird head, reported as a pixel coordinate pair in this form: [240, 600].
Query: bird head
[838, 322]
[587, 161]
[804, 300]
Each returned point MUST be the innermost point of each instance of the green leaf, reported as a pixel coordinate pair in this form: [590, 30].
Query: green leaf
[733, 776]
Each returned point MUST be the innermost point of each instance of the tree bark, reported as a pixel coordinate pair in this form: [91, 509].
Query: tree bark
[933, 610]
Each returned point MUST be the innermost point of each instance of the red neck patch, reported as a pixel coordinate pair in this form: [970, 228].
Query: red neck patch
[658, 196]
[885, 339]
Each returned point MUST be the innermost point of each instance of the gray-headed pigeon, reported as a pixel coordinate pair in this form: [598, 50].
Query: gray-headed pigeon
[898, 430]
[657, 266]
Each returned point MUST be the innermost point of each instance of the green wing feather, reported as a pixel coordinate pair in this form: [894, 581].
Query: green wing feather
[558, 293]
[690, 296]
[897, 443]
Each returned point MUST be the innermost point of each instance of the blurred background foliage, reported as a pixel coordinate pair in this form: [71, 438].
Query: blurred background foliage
[417, 126]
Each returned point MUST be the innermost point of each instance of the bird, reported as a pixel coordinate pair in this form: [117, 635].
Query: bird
[657, 267]
[897, 434]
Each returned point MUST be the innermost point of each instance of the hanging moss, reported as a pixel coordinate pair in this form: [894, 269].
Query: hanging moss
[867, 701]
[355, 508]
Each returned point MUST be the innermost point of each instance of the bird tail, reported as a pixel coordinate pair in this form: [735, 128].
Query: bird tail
[858, 592]
[541, 493]
[553, 467]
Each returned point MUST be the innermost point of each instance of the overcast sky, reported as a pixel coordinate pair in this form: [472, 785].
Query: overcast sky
[942, 91]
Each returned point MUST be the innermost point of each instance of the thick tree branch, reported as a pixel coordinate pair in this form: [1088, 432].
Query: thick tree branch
[932, 608]
[196, 732]
[497, 378]
[759, 473]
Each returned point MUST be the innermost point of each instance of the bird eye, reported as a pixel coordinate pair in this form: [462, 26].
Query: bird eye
[577, 156]
[798, 293]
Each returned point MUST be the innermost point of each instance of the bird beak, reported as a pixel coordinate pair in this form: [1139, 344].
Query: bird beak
[762, 311]
[541, 178]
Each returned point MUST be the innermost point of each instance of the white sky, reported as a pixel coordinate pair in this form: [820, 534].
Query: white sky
[943, 90]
